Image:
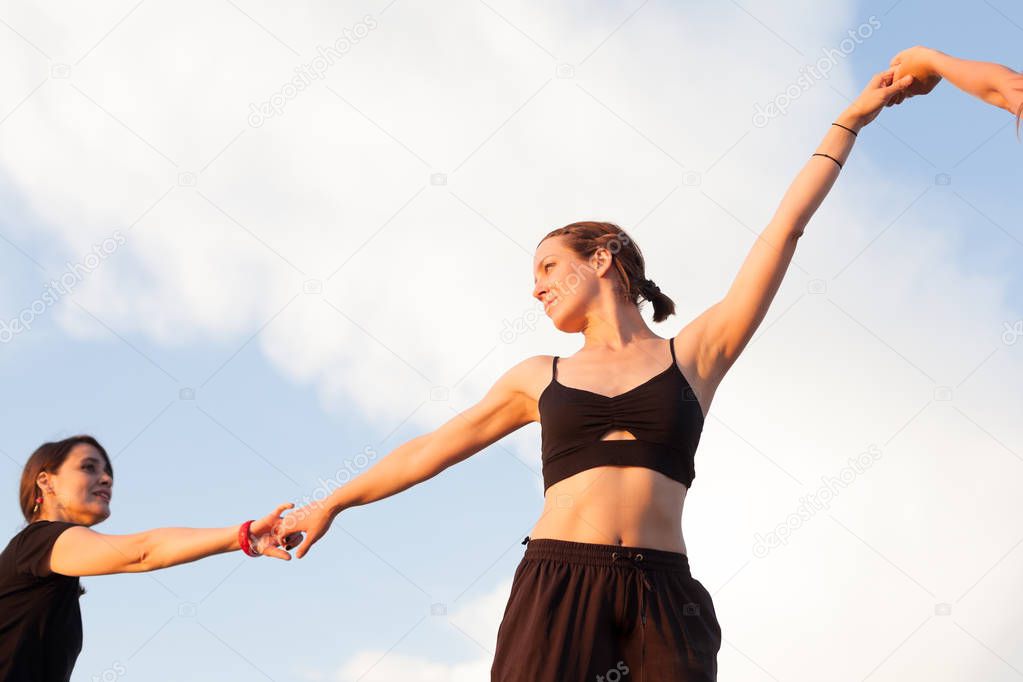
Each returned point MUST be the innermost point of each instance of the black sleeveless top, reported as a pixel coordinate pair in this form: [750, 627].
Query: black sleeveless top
[662, 413]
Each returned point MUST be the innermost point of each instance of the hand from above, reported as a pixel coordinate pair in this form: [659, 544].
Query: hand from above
[918, 63]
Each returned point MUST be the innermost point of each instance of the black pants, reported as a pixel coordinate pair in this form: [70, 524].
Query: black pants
[580, 611]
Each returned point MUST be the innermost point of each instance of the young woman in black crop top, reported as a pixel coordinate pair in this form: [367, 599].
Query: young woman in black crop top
[66, 487]
[604, 590]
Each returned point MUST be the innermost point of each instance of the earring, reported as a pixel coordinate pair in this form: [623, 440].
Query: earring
[39, 500]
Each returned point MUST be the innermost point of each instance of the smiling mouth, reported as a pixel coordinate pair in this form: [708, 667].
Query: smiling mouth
[103, 494]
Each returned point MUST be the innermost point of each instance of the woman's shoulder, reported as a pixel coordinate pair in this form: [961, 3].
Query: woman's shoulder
[28, 551]
[35, 533]
[528, 373]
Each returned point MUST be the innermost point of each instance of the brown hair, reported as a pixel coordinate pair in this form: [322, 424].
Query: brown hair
[584, 238]
[49, 457]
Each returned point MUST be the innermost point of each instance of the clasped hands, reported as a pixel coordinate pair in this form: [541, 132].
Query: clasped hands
[275, 534]
[917, 62]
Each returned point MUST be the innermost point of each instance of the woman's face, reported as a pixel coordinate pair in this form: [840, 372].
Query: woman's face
[80, 490]
[564, 283]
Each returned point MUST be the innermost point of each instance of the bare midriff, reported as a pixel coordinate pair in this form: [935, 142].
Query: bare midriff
[615, 505]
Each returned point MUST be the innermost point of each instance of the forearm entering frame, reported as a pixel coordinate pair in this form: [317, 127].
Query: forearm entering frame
[995, 84]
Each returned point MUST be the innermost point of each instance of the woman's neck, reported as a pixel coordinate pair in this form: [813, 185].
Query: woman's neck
[614, 326]
[54, 515]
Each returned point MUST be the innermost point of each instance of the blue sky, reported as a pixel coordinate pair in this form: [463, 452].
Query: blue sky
[288, 384]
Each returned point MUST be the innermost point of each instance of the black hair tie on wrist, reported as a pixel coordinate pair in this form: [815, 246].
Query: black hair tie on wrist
[842, 126]
[830, 157]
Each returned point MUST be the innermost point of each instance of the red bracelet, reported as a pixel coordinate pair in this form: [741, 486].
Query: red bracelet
[243, 539]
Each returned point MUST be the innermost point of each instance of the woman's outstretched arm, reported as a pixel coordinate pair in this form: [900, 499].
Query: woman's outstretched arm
[507, 406]
[995, 84]
[727, 326]
[81, 551]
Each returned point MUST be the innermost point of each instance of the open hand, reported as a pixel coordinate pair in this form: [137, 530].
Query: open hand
[265, 539]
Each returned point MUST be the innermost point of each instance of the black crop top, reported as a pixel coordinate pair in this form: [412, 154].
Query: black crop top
[662, 413]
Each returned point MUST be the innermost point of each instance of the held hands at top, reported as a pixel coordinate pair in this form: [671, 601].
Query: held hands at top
[917, 62]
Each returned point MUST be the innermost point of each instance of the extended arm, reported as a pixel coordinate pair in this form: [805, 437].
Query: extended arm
[506, 407]
[80, 551]
[727, 326]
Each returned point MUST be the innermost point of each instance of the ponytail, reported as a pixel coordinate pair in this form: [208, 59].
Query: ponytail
[663, 306]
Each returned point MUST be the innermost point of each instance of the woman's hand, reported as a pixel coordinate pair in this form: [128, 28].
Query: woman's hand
[881, 91]
[313, 519]
[266, 540]
[919, 63]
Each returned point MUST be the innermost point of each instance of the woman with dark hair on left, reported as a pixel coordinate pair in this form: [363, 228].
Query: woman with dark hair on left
[66, 488]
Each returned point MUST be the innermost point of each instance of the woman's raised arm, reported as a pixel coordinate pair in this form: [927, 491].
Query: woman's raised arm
[507, 406]
[726, 327]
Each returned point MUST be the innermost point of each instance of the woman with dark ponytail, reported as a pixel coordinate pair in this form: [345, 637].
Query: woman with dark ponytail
[66, 488]
[604, 589]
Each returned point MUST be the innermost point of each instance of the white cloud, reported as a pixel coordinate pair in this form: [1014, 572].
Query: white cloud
[478, 620]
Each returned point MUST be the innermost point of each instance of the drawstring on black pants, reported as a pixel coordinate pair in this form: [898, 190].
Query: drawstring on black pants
[640, 573]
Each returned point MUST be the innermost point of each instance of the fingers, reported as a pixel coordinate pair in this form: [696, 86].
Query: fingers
[883, 79]
[277, 553]
[289, 525]
[897, 98]
[304, 548]
[899, 89]
[268, 522]
[895, 92]
[281, 507]
[902, 83]
[291, 540]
